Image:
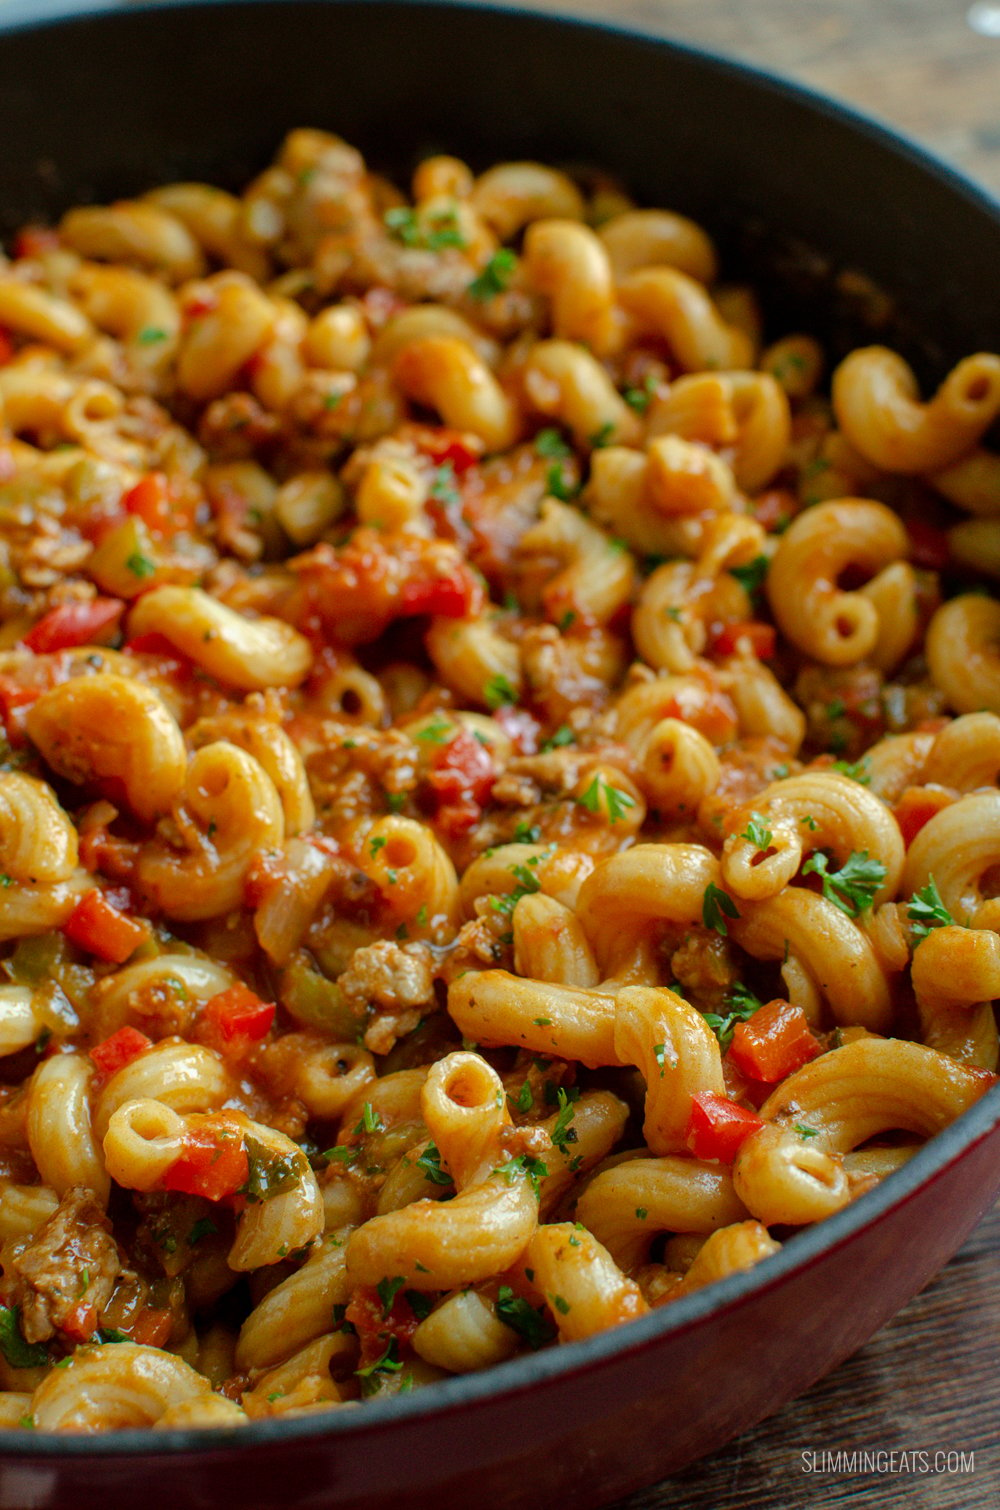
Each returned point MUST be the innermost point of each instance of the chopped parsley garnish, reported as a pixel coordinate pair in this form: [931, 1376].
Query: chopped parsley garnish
[858, 770]
[562, 1133]
[388, 1363]
[614, 799]
[563, 736]
[343, 1154]
[271, 1173]
[927, 910]
[150, 335]
[660, 1055]
[742, 1004]
[550, 444]
[370, 1122]
[527, 1164]
[804, 1132]
[527, 833]
[751, 576]
[495, 276]
[498, 693]
[140, 565]
[757, 832]
[641, 1212]
[436, 732]
[527, 884]
[395, 801]
[388, 1289]
[430, 1163]
[717, 905]
[439, 230]
[420, 1304]
[853, 887]
[379, 842]
[18, 1353]
[557, 485]
[810, 822]
[561, 1304]
[112, 1334]
[602, 437]
[534, 1326]
[523, 1101]
[640, 399]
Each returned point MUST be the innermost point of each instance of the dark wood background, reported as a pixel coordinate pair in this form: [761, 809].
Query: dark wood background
[931, 1379]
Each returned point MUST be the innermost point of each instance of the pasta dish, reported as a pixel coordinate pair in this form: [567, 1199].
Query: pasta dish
[499, 822]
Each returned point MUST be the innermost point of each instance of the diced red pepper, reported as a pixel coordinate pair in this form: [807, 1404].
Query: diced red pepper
[774, 1043]
[6, 347]
[451, 597]
[918, 806]
[213, 1162]
[928, 545]
[119, 1050]
[101, 929]
[153, 1327]
[236, 1019]
[443, 446]
[79, 1325]
[762, 639]
[717, 1127]
[73, 624]
[461, 782]
[149, 501]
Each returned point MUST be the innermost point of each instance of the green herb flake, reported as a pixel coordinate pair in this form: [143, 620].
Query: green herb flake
[859, 770]
[112, 1334]
[495, 276]
[853, 887]
[387, 1290]
[527, 833]
[641, 1213]
[563, 736]
[602, 437]
[927, 910]
[556, 483]
[430, 1163]
[271, 1173]
[524, 1163]
[436, 732]
[532, 1325]
[150, 334]
[370, 1122]
[805, 1132]
[420, 1304]
[379, 842]
[562, 1133]
[614, 799]
[523, 1101]
[640, 399]
[717, 905]
[498, 693]
[140, 565]
[445, 486]
[751, 577]
[18, 1353]
[757, 832]
[550, 444]
[561, 1304]
[742, 1004]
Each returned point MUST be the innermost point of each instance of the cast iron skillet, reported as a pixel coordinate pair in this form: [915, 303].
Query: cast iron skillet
[117, 101]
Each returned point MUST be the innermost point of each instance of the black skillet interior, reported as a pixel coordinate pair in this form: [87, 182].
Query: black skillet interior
[127, 97]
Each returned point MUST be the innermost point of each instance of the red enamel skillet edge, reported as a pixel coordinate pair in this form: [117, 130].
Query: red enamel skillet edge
[934, 1164]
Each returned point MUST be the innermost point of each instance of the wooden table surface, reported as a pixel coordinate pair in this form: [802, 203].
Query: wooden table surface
[931, 1379]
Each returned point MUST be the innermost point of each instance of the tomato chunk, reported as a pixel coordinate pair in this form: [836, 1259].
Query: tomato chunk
[120, 1049]
[918, 806]
[452, 597]
[73, 624]
[762, 639]
[775, 1042]
[153, 1327]
[442, 446]
[213, 1162]
[6, 347]
[236, 1019]
[79, 1325]
[717, 1127]
[101, 929]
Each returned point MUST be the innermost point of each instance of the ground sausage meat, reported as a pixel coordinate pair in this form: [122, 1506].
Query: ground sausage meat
[72, 1261]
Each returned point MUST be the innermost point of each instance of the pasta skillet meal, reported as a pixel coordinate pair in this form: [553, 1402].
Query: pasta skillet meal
[499, 822]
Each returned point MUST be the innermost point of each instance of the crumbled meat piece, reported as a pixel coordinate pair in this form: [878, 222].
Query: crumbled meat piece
[703, 965]
[71, 1260]
[390, 976]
